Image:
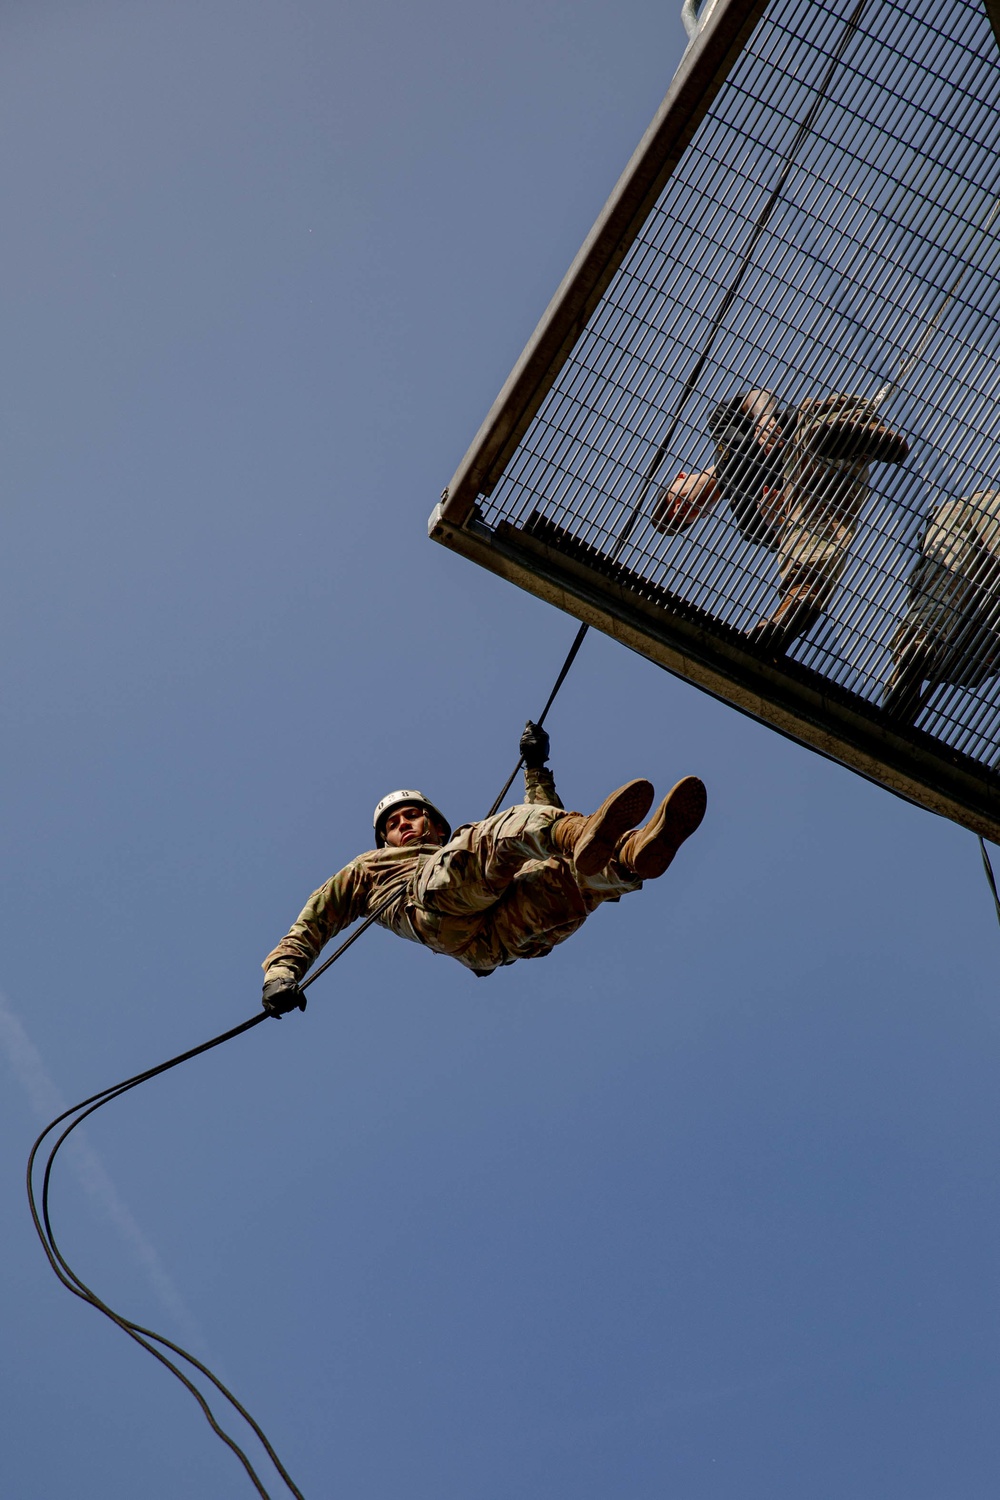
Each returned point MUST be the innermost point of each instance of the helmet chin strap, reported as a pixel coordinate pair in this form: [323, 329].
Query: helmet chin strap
[433, 828]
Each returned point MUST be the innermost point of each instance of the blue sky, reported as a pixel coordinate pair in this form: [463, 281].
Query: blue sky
[705, 1204]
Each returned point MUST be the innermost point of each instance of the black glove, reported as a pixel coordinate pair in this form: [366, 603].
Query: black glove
[282, 995]
[534, 746]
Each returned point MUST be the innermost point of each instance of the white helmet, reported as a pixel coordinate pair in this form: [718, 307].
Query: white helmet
[405, 799]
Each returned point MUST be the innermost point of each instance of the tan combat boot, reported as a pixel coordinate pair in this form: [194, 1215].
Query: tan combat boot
[591, 842]
[649, 850]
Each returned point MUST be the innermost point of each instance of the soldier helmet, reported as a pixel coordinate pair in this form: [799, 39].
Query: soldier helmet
[405, 799]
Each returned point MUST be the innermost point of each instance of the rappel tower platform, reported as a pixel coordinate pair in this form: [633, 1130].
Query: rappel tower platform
[815, 209]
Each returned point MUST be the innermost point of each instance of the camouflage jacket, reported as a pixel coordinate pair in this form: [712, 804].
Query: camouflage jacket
[379, 875]
[964, 535]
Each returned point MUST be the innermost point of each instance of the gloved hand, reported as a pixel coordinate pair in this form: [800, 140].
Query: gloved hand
[282, 995]
[534, 746]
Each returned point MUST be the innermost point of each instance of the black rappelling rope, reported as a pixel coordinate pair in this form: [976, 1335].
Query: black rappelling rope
[990, 877]
[563, 673]
[803, 131]
[146, 1338]
[908, 363]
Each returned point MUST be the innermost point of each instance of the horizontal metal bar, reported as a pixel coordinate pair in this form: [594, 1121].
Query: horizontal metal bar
[701, 73]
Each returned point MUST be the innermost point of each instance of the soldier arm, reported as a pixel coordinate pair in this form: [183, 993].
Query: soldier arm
[686, 500]
[952, 535]
[540, 786]
[539, 783]
[328, 911]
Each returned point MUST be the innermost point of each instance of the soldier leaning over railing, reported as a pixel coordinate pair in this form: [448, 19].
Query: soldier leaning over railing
[951, 630]
[796, 480]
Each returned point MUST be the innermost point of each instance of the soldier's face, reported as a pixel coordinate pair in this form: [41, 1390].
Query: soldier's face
[410, 825]
[763, 407]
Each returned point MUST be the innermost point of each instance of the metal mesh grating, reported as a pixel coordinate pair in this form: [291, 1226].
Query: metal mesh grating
[876, 268]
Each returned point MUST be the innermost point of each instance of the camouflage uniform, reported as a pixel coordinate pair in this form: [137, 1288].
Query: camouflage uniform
[802, 507]
[540, 786]
[823, 499]
[496, 892]
[951, 630]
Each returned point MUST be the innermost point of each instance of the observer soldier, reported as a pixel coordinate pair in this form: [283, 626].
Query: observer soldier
[509, 887]
[795, 479]
[951, 630]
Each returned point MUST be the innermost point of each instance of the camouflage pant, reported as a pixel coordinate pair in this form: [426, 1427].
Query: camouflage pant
[952, 624]
[499, 891]
[822, 504]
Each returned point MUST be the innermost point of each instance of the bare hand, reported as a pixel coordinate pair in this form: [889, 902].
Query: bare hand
[685, 500]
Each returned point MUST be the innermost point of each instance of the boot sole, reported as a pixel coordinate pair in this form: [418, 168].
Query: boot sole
[678, 816]
[616, 815]
[856, 442]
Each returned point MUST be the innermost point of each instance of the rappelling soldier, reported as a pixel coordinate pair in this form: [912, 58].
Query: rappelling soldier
[509, 887]
[795, 479]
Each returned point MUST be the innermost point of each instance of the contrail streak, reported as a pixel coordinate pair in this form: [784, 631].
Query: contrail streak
[28, 1068]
